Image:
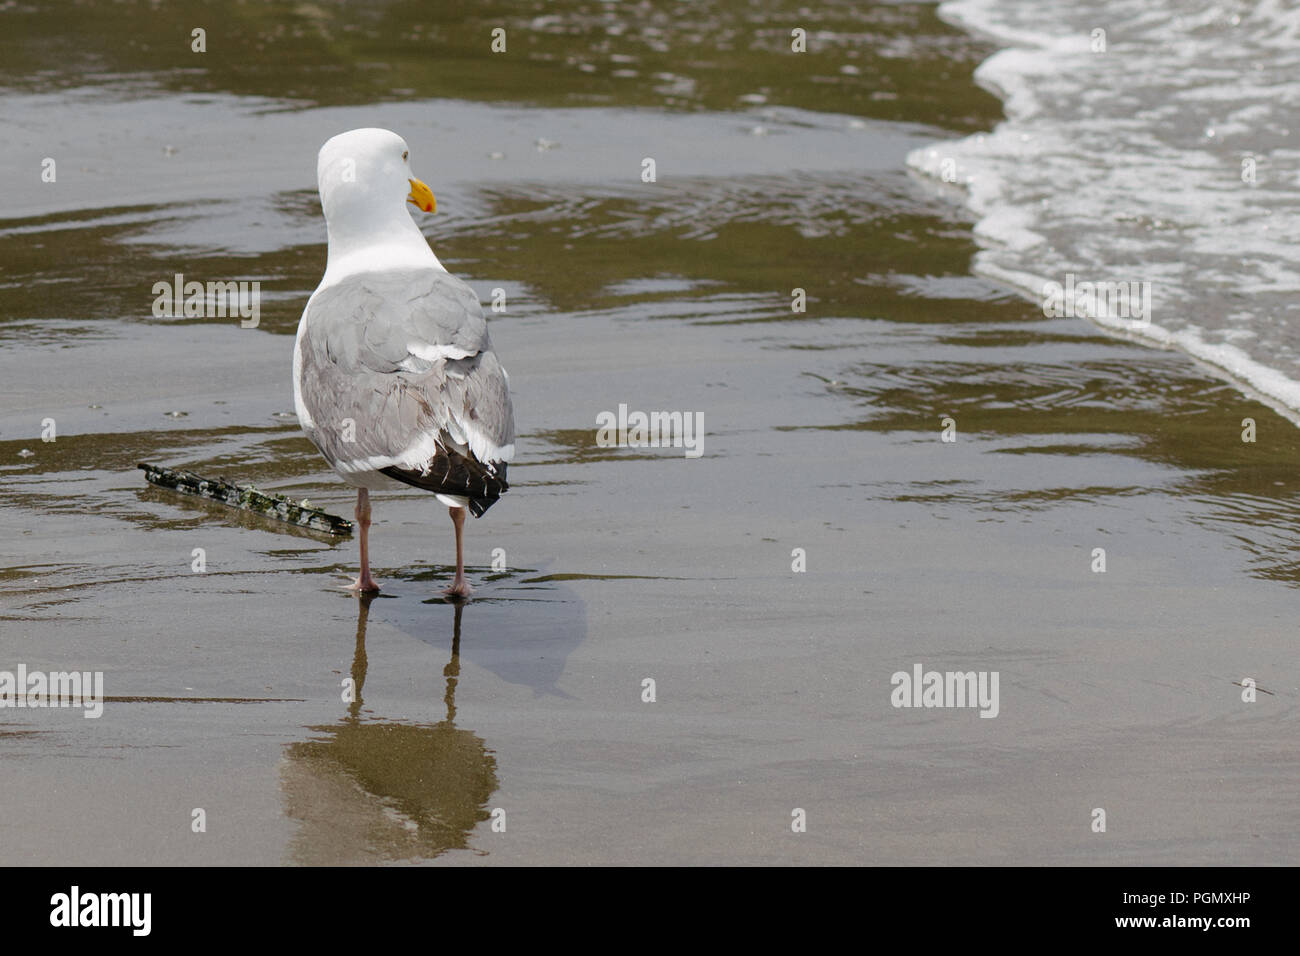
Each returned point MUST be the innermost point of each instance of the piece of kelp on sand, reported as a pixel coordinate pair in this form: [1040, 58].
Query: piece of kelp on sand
[246, 498]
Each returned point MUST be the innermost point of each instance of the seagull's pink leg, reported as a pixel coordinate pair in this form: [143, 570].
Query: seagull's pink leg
[365, 583]
[459, 587]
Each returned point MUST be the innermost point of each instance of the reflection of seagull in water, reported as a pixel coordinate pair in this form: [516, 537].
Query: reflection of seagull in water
[394, 377]
[360, 663]
[368, 790]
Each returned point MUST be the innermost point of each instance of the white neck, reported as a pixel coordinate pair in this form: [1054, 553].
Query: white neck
[376, 244]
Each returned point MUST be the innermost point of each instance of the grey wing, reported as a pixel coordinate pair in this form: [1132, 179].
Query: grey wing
[397, 369]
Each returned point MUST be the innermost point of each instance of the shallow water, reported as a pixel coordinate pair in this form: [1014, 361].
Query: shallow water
[822, 434]
[1148, 141]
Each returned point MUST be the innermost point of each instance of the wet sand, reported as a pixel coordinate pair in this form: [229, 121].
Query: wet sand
[822, 433]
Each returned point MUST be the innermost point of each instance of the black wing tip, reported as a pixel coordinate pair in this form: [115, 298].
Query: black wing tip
[459, 475]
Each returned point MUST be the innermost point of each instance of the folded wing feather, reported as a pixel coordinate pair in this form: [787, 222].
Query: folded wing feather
[399, 377]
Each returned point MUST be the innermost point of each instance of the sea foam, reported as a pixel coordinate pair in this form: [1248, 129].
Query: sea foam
[1149, 140]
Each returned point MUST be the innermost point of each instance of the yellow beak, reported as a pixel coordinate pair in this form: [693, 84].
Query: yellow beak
[421, 196]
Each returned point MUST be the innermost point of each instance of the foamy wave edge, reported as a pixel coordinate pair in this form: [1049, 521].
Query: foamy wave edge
[1004, 225]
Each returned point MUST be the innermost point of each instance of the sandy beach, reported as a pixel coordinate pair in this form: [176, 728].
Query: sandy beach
[515, 729]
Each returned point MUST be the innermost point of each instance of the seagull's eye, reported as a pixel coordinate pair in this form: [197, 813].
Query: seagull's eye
[405, 154]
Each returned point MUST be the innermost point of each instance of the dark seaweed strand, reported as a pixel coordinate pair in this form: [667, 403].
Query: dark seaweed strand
[245, 498]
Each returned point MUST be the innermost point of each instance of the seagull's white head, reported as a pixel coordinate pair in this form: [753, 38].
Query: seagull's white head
[366, 185]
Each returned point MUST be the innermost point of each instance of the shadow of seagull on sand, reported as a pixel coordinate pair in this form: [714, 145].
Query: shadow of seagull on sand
[525, 622]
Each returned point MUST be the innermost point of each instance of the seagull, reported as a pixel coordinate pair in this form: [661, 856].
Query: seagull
[394, 377]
